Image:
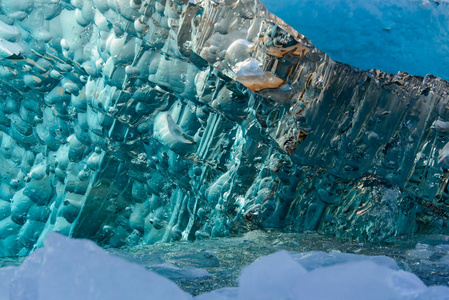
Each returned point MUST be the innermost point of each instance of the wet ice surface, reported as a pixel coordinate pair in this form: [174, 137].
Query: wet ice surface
[128, 129]
[173, 120]
[230, 268]
[207, 265]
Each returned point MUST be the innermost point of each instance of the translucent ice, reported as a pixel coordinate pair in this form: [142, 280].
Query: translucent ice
[277, 276]
[78, 269]
[317, 259]
[146, 121]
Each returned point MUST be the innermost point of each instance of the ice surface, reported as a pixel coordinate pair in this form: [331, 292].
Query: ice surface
[318, 259]
[401, 35]
[145, 121]
[345, 281]
[277, 276]
[78, 269]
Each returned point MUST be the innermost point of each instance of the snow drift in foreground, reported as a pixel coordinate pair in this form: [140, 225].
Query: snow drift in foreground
[78, 269]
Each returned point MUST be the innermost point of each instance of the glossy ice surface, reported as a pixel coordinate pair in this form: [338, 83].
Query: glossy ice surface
[400, 35]
[136, 122]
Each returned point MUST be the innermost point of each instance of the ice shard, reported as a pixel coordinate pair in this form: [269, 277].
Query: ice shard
[132, 122]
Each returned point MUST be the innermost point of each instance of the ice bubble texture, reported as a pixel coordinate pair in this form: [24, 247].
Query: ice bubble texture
[130, 122]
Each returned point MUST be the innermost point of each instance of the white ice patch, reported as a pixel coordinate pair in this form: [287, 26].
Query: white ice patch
[9, 33]
[249, 67]
[79, 269]
[443, 157]
[345, 277]
[169, 133]
[441, 126]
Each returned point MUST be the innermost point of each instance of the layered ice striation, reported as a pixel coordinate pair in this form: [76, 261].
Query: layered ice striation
[132, 122]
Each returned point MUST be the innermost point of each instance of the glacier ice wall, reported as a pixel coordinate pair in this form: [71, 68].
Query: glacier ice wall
[400, 35]
[136, 121]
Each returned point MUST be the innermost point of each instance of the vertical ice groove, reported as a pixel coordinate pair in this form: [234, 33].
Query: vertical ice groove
[170, 120]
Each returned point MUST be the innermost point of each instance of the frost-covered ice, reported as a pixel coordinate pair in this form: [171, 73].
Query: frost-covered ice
[78, 269]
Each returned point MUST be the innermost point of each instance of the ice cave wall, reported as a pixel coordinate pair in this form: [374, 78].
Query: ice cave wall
[136, 121]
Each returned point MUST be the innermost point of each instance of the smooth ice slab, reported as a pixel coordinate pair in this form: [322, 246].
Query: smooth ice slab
[277, 276]
[402, 35]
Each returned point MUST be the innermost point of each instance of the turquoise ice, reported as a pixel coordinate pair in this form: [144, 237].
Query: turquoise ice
[136, 122]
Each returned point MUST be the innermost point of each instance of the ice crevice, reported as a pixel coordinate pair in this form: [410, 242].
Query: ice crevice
[133, 122]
